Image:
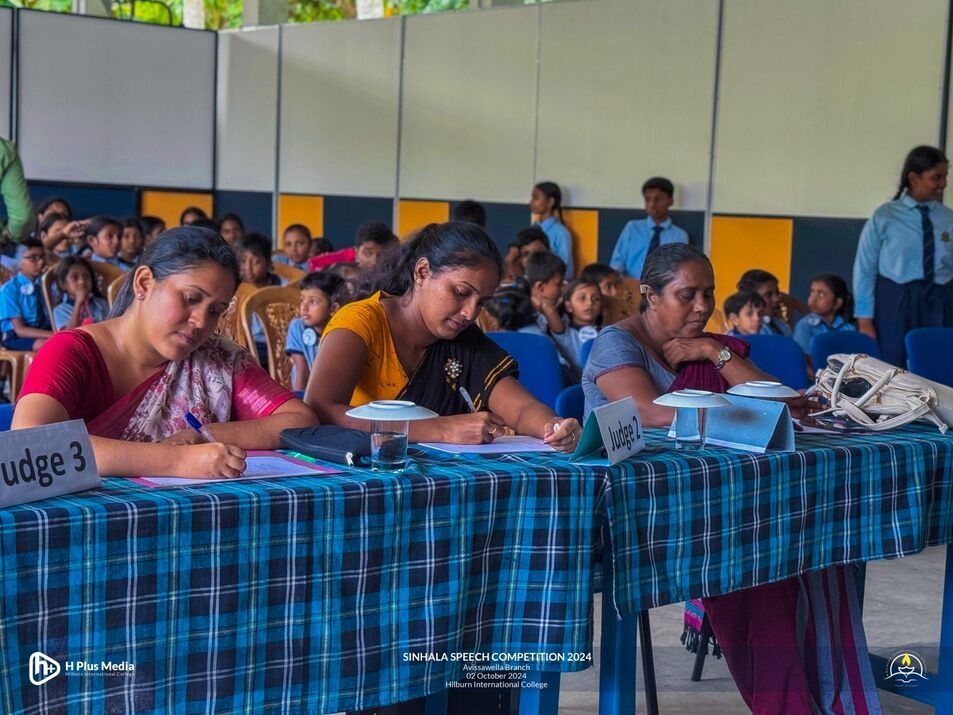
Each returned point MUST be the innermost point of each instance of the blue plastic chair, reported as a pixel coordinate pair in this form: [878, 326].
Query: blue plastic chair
[540, 371]
[928, 353]
[841, 341]
[584, 351]
[780, 357]
[6, 416]
[571, 402]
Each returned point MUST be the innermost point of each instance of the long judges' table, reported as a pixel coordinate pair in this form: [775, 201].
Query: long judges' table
[343, 592]
[300, 595]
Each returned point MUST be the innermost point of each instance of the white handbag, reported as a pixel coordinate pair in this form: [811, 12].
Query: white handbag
[880, 396]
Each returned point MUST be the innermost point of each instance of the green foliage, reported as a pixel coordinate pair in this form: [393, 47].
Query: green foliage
[48, 5]
[155, 12]
[418, 7]
[302, 11]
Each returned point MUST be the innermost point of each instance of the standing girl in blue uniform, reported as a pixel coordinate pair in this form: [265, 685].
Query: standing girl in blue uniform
[546, 203]
[903, 271]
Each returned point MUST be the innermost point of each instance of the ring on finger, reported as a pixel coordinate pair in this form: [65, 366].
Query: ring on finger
[493, 431]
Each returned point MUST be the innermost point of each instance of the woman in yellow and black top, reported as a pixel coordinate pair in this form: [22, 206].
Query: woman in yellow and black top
[415, 339]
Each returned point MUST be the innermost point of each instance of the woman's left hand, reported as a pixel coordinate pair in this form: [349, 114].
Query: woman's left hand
[562, 433]
[679, 350]
[186, 436]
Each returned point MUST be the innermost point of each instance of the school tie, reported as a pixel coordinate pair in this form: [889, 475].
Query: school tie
[656, 239]
[928, 250]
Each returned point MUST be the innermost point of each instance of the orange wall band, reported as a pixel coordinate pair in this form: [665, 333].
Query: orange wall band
[414, 215]
[741, 243]
[296, 208]
[169, 205]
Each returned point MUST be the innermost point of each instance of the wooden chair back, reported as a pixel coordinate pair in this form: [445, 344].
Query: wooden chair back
[47, 283]
[229, 325]
[289, 273]
[105, 274]
[275, 307]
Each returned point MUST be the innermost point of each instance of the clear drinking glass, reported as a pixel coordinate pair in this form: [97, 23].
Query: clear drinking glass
[690, 425]
[389, 445]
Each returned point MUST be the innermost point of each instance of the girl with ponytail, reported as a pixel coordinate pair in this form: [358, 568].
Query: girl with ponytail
[546, 205]
[903, 270]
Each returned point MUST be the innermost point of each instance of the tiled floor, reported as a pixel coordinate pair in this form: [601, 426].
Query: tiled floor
[902, 610]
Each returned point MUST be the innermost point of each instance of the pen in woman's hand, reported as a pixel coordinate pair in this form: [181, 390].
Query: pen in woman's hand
[466, 398]
[193, 422]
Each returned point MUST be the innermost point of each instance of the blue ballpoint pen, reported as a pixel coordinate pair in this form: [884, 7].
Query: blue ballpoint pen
[198, 427]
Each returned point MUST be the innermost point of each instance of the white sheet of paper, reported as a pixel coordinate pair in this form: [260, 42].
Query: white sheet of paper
[501, 445]
[257, 466]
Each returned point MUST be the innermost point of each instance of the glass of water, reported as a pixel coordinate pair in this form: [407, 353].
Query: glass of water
[388, 445]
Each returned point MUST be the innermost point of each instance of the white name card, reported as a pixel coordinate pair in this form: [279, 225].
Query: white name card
[751, 425]
[612, 433]
[46, 461]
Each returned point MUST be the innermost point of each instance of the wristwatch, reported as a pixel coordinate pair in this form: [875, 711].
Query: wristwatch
[723, 357]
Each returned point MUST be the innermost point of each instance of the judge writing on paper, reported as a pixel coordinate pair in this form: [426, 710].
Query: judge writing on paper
[415, 339]
[663, 349]
[133, 378]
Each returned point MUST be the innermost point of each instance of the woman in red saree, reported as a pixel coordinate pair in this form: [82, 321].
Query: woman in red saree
[133, 378]
[795, 646]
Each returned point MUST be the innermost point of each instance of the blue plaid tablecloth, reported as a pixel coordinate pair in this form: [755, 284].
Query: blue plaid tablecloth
[701, 524]
[299, 595]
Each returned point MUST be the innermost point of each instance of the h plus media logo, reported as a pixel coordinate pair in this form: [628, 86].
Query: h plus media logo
[42, 668]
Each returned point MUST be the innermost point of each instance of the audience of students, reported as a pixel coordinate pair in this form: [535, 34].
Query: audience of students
[254, 261]
[24, 322]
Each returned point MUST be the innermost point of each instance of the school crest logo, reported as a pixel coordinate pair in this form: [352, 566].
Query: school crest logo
[906, 669]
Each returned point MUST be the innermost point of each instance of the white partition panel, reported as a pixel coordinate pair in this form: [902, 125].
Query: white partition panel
[339, 108]
[115, 102]
[468, 123]
[6, 66]
[247, 109]
[625, 93]
[819, 105]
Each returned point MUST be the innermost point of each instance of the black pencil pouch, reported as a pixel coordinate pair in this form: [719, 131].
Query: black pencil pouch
[330, 443]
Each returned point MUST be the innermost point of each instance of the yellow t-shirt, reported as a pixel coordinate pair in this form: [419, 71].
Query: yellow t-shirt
[383, 376]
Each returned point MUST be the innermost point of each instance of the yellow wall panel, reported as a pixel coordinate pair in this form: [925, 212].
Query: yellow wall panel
[741, 243]
[295, 208]
[583, 224]
[169, 205]
[413, 215]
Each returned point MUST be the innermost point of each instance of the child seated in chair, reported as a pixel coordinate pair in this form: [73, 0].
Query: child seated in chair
[130, 244]
[25, 324]
[103, 235]
[304, 333]
[297, 247]
[766, 285]
[254, 262]
[744, 313]
[82, 304]
[581, 310]
[832, 309]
